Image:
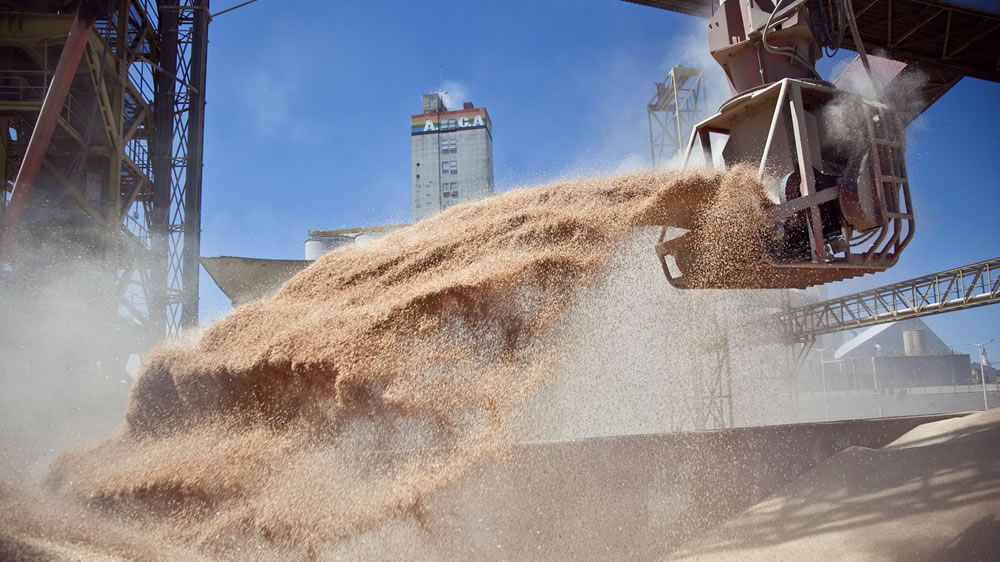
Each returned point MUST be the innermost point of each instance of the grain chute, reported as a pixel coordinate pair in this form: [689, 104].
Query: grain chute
[831, 160]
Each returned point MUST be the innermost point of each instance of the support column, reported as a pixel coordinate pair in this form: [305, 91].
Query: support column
[4, 126]
[162, 154]
[192, 193]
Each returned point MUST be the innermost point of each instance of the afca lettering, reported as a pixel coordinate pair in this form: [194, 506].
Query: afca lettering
[462, 123]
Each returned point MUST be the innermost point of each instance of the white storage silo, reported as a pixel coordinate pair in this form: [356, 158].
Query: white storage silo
[319, 243]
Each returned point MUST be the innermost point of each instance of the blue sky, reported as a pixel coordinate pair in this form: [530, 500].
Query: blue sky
[309, 103]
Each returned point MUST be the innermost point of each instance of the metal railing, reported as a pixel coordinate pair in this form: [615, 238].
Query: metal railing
[969, 286]
[974, 388]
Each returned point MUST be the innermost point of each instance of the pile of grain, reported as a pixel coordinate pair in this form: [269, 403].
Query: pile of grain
[38, 527]
[380, 374]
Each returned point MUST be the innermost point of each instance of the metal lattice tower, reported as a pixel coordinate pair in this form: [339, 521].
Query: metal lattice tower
[673, 112]
[700, 382]
[180, 115]
[120, 185]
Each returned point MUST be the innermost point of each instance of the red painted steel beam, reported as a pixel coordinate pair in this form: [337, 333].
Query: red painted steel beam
[48, 117]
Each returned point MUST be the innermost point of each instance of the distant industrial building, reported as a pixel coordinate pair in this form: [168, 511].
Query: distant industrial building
[452, 156]
[898, 368]
[903, 354]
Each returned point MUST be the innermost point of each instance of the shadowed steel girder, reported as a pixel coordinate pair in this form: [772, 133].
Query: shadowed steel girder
[176, 229]
[698, 8]
[964, 287]
[958, 35]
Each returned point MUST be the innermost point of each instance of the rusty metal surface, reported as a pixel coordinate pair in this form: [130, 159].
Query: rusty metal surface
[962, 39]
[798, 258]
[962, 36]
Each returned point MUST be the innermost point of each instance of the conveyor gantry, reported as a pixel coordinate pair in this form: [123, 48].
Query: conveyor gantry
[969, 286]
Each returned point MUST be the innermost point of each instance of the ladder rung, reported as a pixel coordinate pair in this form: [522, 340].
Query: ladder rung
[899, 216]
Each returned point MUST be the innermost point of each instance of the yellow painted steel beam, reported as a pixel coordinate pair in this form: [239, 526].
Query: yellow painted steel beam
[70, 130]
[30, 31]
[41, 61]
[134, 168]
[132, 241]
[139, 119]
[37, 29]
[10, 106]
[114, 64]
[108, 115]
[143, 183]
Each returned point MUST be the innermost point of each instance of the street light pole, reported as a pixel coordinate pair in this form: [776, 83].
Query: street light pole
[878, 351]
[982, 370]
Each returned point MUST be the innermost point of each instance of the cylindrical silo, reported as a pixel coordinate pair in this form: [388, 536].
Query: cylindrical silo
[915, 342]
[319, 243]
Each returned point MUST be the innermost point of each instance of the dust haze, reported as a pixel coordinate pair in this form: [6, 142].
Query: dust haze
[644, 357]
[384, 374]
[64, 376]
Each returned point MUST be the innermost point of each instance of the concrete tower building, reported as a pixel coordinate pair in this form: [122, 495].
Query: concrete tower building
[452, 156]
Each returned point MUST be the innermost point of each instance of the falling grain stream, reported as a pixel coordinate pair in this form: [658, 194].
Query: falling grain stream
[373, 380]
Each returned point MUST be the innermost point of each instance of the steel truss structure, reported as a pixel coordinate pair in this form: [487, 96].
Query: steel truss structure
[708, 402]
[120, 185]
[946, 35]
[180, 122]
[717, 410]
[701, 392]
[673, 112]
[961, 38]
[964, 287]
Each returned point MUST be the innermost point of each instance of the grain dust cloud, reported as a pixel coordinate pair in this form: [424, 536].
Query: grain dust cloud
[383, 374]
